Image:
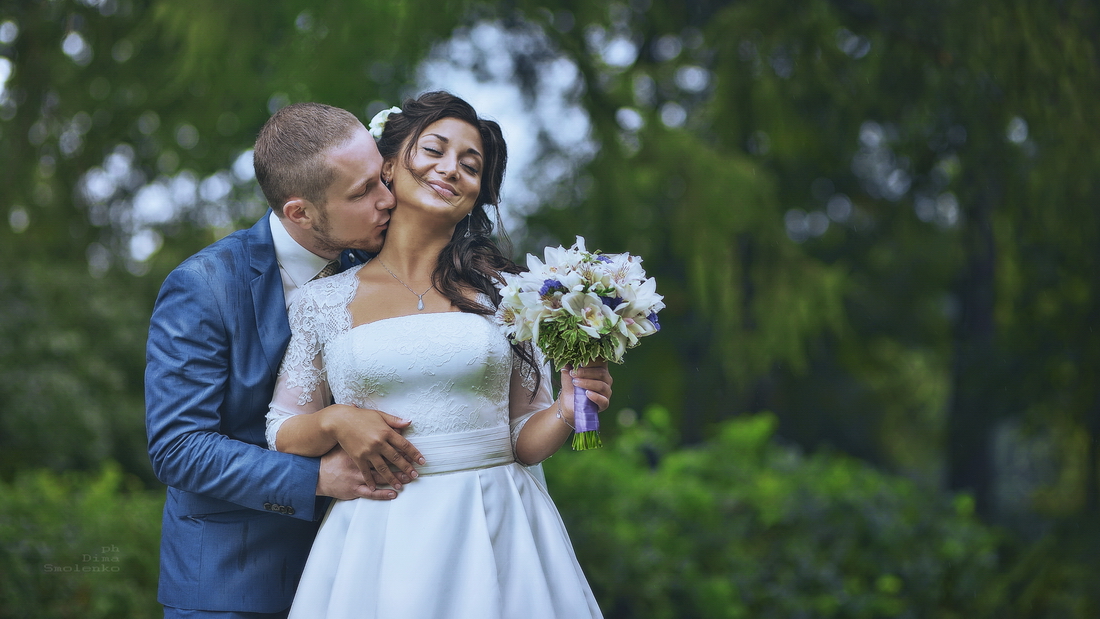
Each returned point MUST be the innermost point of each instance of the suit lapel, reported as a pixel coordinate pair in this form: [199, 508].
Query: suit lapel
[267, 294]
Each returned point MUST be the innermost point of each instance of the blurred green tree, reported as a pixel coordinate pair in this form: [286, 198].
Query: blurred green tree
[119, 123]
[874, 218]
[871, 218]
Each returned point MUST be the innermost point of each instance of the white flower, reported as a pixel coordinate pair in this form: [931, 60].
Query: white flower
[625, 268]
[596, 318]
[558, 260]
[506, 318]
[578, 245]
[378, 123]
[573, 281]
[639, 300]
[623, 339]
[535, 312]
[595, 275]
[640, 327]
[535, 268]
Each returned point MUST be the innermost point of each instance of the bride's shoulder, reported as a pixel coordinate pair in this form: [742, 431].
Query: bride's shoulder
[333, 290]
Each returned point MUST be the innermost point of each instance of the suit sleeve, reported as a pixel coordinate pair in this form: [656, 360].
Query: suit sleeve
[187, 380]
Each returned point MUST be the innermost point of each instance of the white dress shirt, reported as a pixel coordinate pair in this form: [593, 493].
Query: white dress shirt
[297, 265]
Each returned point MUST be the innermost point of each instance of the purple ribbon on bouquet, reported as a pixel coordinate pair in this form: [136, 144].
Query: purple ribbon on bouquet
[586, 420]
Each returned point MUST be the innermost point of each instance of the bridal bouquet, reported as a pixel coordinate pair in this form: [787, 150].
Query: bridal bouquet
[579, 306]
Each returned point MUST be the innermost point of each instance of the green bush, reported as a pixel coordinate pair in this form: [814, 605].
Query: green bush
[743, 527]
[79, 545]
[738, 527]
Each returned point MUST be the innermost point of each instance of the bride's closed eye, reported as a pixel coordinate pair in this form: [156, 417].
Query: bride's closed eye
[438, 153]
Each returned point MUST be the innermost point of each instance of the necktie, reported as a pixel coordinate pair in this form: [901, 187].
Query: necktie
[330, 269]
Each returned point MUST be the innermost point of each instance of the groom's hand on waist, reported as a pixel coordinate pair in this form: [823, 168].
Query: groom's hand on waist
[372, 440]
[340, 478]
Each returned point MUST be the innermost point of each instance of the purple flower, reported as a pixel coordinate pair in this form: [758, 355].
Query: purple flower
[653, 318]
[611, 302]
[550, 285]
[604, 259]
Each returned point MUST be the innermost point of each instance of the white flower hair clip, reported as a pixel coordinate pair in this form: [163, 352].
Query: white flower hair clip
[378, 123]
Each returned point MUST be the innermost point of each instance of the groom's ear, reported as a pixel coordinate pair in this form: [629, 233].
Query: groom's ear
[299, 211]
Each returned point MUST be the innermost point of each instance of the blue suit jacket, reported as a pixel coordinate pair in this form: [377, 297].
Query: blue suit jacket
[239, 519]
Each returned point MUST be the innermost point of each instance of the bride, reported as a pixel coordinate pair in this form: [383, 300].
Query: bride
[411, 333]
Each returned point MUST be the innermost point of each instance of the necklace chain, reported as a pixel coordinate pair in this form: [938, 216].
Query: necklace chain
[419, 297]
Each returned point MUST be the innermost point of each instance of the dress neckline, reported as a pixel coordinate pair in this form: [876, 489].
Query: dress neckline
[352, 278]
[374, 322]
[393, 318]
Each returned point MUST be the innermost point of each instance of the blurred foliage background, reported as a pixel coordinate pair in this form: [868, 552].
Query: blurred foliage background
[875, 220]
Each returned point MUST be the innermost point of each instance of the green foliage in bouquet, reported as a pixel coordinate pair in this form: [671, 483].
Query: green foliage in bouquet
[565, 343]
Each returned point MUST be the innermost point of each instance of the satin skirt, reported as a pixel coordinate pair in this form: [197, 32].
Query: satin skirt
[483, 541]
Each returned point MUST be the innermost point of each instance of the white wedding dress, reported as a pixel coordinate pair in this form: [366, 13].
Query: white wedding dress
[476, 535]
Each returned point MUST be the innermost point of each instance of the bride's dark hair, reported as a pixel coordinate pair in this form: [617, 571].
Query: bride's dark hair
[472, 259]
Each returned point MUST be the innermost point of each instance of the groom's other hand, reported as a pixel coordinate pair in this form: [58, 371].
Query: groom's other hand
[340, 478]
[373, 440]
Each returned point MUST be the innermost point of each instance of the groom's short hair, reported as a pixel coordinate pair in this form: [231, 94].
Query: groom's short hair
[289, 153]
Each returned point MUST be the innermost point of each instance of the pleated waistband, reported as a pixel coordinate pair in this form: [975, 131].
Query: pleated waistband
[462, 451]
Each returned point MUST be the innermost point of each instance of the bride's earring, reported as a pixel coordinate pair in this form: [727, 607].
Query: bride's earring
[388, 183]
[468, 219]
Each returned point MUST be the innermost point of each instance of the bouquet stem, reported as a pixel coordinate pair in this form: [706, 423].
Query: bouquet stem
[587, 420]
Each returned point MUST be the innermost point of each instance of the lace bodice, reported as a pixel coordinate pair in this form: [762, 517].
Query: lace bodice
[446, 372]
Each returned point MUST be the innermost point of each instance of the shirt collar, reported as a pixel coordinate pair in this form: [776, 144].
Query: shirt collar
[299, 263]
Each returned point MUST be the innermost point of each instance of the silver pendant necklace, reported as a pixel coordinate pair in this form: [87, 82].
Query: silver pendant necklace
[419, 297]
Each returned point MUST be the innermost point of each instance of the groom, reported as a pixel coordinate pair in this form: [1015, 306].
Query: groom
[239, 519]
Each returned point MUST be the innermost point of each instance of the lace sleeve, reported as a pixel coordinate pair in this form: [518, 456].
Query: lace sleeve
[301, 386]
[520, 403]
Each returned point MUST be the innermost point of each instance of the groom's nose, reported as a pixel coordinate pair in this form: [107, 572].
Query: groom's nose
[387, 201]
